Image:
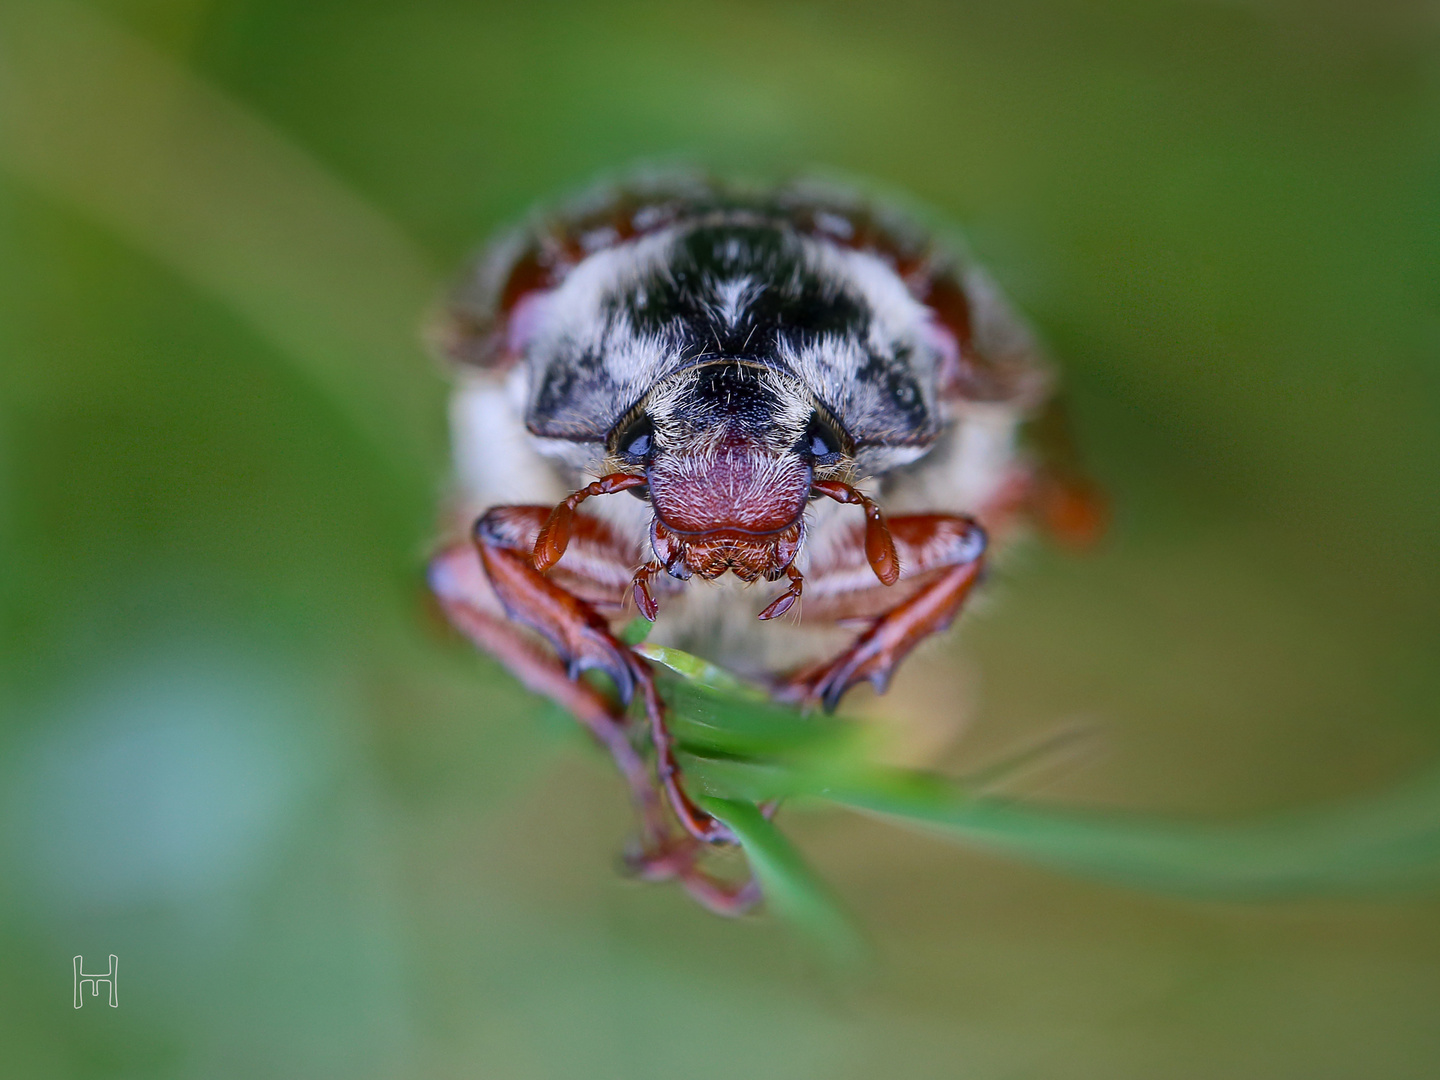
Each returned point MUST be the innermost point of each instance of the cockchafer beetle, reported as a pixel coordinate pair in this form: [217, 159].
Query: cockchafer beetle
[744, 363]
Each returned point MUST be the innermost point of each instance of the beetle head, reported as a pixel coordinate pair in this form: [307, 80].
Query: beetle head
[729, 450]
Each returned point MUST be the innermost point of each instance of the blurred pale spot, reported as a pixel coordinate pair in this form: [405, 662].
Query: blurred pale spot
[163, 783]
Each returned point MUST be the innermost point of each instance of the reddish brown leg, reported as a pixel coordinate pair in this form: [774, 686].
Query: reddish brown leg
[640, 589]
[879, 545]
[454, 581]
[939, 560]
[681, 862]
[504, 538]
[554, 535]
[785, 600]
[697, 823]
[471, 605]
[1066, 502]
[582, 639]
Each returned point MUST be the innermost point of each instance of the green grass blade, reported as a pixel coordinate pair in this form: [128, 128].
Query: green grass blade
[714, 713]
[1386, 843]
[703, 673]
[737, 746]
[791, 889]
[636, 630]
[1389, 842]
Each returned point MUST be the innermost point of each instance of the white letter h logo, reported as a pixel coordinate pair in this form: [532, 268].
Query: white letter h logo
[95, 980]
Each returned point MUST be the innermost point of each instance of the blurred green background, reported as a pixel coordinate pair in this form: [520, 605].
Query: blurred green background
[325, 839]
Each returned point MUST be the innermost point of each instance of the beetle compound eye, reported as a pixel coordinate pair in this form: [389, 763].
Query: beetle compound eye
[637, 441]
[820, 443]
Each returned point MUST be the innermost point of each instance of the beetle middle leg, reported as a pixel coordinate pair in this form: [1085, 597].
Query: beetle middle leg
[940, 558]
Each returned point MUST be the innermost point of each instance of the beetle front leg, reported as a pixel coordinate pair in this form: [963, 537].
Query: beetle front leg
[475, 607]
[940, 559]
[459, 583]
[505, 537]
[681, 862]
